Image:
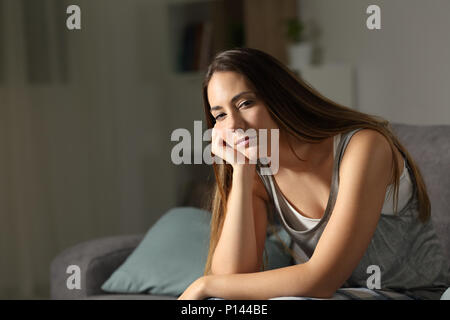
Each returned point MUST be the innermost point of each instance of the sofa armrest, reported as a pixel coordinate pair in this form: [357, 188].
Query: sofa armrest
[97, 260]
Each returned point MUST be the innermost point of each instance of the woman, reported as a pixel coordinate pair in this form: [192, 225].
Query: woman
[346, 190]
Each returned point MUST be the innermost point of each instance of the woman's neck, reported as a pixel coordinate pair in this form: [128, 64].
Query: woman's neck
[316, 155]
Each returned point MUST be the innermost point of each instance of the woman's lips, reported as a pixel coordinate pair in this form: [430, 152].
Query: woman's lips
[244, 141]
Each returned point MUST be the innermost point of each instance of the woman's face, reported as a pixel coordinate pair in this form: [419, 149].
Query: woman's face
[234, 105]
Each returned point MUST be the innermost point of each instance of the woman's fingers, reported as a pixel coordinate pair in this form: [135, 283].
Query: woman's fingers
[223, 147]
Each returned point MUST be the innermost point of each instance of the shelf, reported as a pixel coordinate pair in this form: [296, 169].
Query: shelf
[198, 29]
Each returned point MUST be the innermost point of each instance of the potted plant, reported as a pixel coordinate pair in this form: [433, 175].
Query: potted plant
[299, 48]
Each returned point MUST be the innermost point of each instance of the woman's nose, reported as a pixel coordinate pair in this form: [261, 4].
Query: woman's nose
[235, 122]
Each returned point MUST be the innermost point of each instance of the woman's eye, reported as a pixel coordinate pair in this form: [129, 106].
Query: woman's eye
[245, 103]
[219, 116]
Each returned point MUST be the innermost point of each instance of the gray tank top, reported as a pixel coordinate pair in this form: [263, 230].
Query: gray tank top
[407, 252]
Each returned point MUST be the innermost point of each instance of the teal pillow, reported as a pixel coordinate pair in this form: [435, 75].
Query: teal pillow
[173, 254]
[446, 294]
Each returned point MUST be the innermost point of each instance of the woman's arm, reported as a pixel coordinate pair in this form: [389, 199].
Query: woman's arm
[364, 176]
[241, 243]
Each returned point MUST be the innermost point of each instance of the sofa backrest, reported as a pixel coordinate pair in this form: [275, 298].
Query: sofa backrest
[429, 146]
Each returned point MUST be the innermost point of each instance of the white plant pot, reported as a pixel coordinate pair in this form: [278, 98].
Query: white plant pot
[300, 55]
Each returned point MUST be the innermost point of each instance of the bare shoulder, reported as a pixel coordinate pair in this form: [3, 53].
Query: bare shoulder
[369, 142]
[370, 148]
[369, 138]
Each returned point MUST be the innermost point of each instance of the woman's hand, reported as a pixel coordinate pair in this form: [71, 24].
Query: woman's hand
[224, 146]
[196, 290]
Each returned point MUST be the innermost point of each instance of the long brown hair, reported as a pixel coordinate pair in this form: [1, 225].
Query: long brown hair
[301, 111]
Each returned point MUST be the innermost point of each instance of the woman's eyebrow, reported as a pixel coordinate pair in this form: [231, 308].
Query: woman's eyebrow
[232, 100]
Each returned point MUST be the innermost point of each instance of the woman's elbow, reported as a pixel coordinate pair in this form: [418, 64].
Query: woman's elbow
[321, 291]
[322, 285]
[324, 293]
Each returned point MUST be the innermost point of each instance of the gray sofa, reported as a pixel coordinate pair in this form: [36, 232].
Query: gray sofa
[98, 258]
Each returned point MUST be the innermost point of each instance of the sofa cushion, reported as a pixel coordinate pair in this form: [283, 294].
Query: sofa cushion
[173, 254]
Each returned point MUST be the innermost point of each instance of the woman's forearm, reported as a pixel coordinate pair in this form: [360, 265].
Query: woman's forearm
[236, 250]
[296, 280]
